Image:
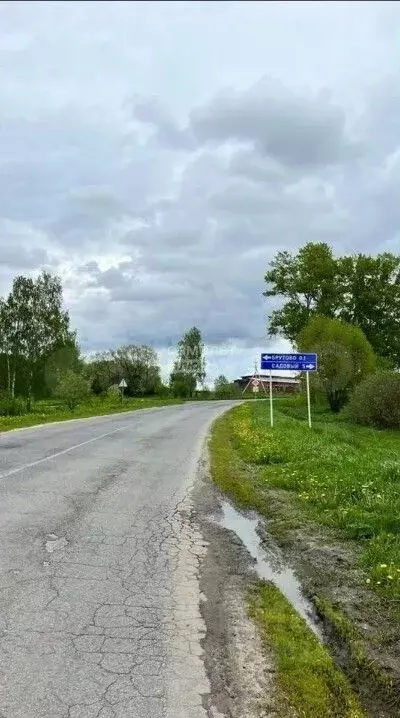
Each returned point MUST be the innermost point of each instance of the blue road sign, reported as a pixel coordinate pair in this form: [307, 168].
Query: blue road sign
[289, 362]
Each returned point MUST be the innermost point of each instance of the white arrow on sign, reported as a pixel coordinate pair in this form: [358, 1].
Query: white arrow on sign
[122, 384]
[310, 366]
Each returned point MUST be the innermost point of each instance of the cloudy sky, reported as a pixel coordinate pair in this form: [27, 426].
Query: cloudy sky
[157, 155]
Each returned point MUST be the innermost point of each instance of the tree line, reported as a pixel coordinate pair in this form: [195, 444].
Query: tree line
[347, 309]
[40, 356]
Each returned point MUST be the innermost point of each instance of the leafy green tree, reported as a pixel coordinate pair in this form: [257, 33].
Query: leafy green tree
[345, 357]
[308, 283]
[73, 388]
[138, 365]
[102, 372]
[220, 383]
[361, 290]
[55, 363]
[182, 384]
[189, 369]
[5, 345]
[224, 389]
[37, 322]
[370, 291]
[191, 355]
[96, 386]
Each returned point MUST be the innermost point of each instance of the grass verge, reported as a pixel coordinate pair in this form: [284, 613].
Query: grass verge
[45, 412]
[329, 493]
[309, 682]
[342, 476]
[229, 471]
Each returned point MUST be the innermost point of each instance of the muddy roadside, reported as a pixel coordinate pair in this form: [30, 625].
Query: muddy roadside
[361, 628]
[240, 671]
[240, 657]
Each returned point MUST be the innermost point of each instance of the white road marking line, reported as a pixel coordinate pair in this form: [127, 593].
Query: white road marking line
[60, 453]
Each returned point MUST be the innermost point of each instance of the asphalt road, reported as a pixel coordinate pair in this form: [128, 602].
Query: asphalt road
[99, 561]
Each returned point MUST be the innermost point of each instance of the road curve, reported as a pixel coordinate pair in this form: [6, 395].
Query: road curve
[99, 592]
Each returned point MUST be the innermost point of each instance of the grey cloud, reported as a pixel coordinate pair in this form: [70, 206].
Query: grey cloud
[89, 268]
[382, 117]
[243, 196]
[154, 293]
[42, 161]
[298, 130]
[258, 168]
[165, 218]
[87, 212]
[73, 174]
[18, 258]
[186, 294]
[167, 132]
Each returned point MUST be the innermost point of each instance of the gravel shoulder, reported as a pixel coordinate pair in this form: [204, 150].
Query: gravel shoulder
[240, 671]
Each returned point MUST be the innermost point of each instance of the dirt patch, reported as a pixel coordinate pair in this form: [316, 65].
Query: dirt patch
[240, 671]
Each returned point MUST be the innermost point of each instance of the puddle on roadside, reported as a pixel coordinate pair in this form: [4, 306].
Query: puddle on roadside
[270, 564]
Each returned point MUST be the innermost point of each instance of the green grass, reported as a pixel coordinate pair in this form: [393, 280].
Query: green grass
[53, 410]
[341, 475]
[308, 680]
[340, 481]
[229, 472]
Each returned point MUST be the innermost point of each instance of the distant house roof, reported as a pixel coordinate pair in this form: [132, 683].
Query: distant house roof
[265, 377]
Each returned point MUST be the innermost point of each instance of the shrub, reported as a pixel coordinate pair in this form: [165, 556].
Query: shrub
[11, 406]
[376, 401]
[97, 386]
[345, 357]
[73, 388]
[223, 389]
[114, 392]
[163, 391]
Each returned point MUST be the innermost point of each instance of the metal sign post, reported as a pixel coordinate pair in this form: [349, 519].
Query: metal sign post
[122, 385]
[271, 402]
[255, 386]
[308, 398]
[290, 362]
